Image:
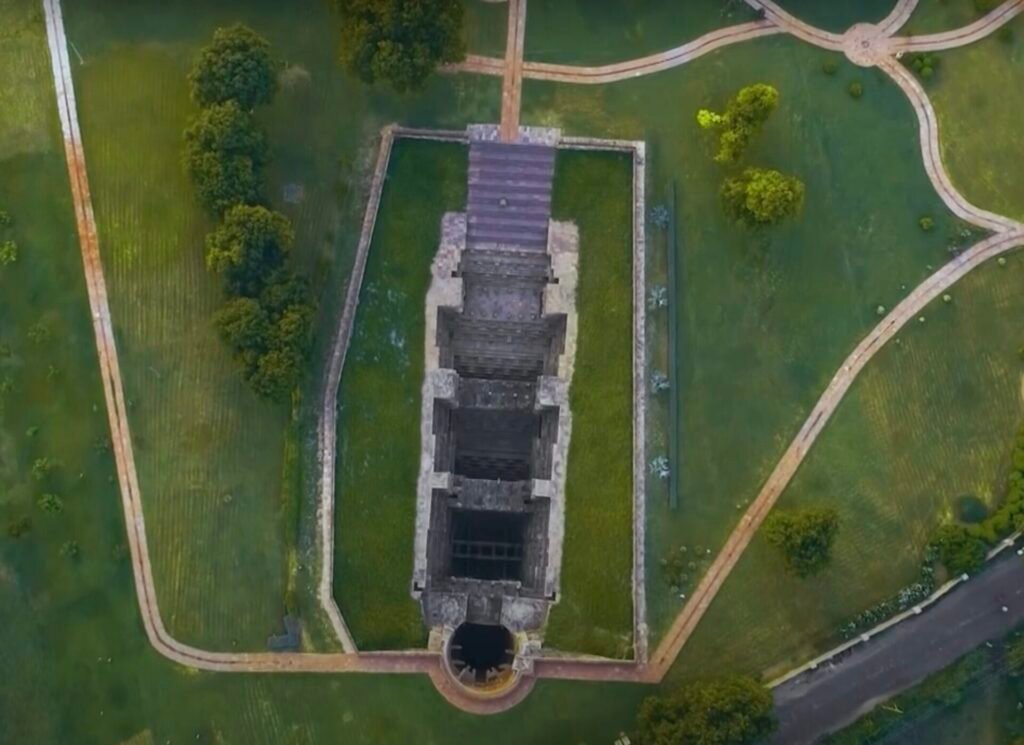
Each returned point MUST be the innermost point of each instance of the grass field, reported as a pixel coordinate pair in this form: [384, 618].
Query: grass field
[210, 455]
[595, 612]
[593, 33]
[980, 101]
[486, 27]
[926, 422]
[934, 16]
[764, 319]
[380, 396]
[839, 15]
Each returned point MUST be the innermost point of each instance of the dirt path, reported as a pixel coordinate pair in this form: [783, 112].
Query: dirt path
[1009, 235]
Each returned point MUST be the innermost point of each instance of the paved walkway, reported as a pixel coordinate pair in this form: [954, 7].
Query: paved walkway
[1009, 234]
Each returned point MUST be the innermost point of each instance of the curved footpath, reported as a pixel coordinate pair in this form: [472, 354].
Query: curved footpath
[1009, 235]
[962, 36]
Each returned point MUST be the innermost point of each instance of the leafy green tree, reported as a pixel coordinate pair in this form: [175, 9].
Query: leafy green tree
[269, 335]
[247, 247]
[958, 550]
[225, 152]
[729, 711]
[237, 66]
[762, 196]
[744, 117]
[804, 537]
[400, 41]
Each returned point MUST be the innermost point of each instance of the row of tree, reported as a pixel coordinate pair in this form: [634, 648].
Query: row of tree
[269, 309]
[755, 196]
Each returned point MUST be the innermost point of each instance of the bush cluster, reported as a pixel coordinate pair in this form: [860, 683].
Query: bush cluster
[268, 313]
[924, 64]
[804, 537]
[755, 196]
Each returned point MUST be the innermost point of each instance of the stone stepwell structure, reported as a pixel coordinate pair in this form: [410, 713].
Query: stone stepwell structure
[500, 343]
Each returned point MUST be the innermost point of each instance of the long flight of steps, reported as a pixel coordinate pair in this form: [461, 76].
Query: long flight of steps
[509, 194]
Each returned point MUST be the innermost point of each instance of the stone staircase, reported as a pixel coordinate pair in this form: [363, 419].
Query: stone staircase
[509, 195]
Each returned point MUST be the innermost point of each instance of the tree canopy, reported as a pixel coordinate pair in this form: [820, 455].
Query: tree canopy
[400, 41]
[744, 117]
[958, 550]
[804, 537]
[247, 247]
[237, 66]
[225, 152]
[761, 196]
[269, 335]
[729, 711]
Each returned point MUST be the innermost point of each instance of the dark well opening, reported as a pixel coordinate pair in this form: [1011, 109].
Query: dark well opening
[487, 545]
[481, 653]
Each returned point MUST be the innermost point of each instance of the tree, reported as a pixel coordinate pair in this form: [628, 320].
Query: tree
[247, 247]
[400, 41]
[958, 550]
[237, 66]
[224, 154]
[804, 537]
[269, 335]
[729, 711]
[762, 196]
[744, 117]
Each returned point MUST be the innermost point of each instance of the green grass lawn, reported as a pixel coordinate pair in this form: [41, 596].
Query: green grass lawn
[486, 27]
[210, 455]
[926, 422]
[595, 611]
[839, 15]
[593, 33]
[764, 318]
[980, 102]
[380, 397]
[935, 16]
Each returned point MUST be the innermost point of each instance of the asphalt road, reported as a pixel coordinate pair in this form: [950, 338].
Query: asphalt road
[824, 700]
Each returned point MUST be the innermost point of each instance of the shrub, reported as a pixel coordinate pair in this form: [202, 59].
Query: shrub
[728, 711]
[400, 42]
[926, 223]
[1005, 35]
[43, 467]
[762, 197]
[70, 550]
[804, 537]
[744, 117]
[958, 550]
[19, 527]
[924, 64]
[830, 67]
[237, 66]
[51, 503]
[856, 89]
[5, 219]
[8, 253]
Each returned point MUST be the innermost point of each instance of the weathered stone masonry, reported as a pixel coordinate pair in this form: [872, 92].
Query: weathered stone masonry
[495, 424]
